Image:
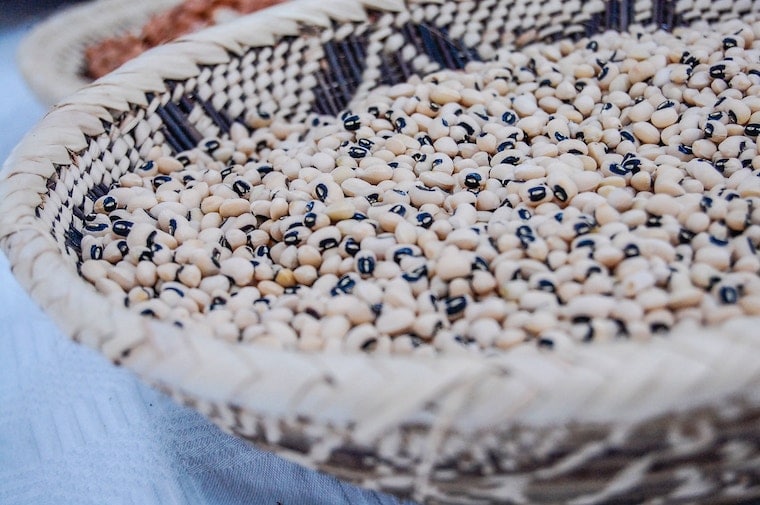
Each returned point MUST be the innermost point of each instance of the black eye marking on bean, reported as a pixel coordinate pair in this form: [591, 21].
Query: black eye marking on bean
[211, 145]
[122, 227]
[479, 263]
[227, 171]
[351, 246]
[328, 243]
[509, 118]
[685, 236]
[752, 130]
[631, 250]
[537, 193]
[160, 179]
[96, 252]
[241, 187]
[366, 265]
[654, 222]
[321, 191]
[351, 122]
[718, 241]
[507, 144]
[424, 140]
[547, 285]
[472, 180]
[545, 342]
[416, 274]
[617, 169]
[401, 252]
[146, 255]
[455, 305]
[262, 251]
[425, 219]
[345, 285]
[659, 328]
[357, 152]
[559, 193]
[467, 127]
[398, 209]
[147, 166]
[585, 243]
[718, 71]
[292, 237]
[310, 219]
[582, 228]
[109, 204]
[626, 135]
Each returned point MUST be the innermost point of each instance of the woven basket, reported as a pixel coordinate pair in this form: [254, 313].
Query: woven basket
[51, 57]
[676, 420]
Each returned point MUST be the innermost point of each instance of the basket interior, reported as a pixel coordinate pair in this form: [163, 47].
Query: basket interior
[320, 71]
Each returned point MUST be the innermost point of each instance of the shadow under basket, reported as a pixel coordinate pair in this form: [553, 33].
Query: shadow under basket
[674, 420]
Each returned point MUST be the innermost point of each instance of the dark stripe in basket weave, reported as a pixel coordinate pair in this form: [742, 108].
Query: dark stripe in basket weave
[439, 47]
[179, 133]
[341, 74]
[219, 118]
[343, 64]
[73, 239]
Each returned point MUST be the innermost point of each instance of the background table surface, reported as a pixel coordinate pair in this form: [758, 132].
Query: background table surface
[76, 430]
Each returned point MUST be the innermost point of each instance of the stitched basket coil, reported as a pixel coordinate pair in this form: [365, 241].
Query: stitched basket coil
[675, 419]
[52, 57]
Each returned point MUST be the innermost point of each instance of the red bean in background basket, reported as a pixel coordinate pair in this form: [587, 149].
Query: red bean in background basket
[187, 17]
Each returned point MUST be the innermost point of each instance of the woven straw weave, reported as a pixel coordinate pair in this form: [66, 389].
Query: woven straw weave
[675, 419]
[52, 57]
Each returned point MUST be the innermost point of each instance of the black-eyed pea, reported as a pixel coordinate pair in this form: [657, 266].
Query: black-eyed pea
[646, 132]
[509, 338]
[584, 104]
[738, 111]
[152, 308]
[567, 290]
[92, 269]
[750, 304]
[590, 306]
[123, 274]
[662, 118]
[716, 314]
[364, 337]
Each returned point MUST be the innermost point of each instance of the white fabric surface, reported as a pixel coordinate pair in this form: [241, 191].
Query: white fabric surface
[76, 430]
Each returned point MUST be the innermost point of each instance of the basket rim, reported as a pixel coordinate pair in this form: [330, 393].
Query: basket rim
[51, 56]
[617, 383]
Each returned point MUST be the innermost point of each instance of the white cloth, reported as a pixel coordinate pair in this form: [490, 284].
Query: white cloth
[75, 429]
